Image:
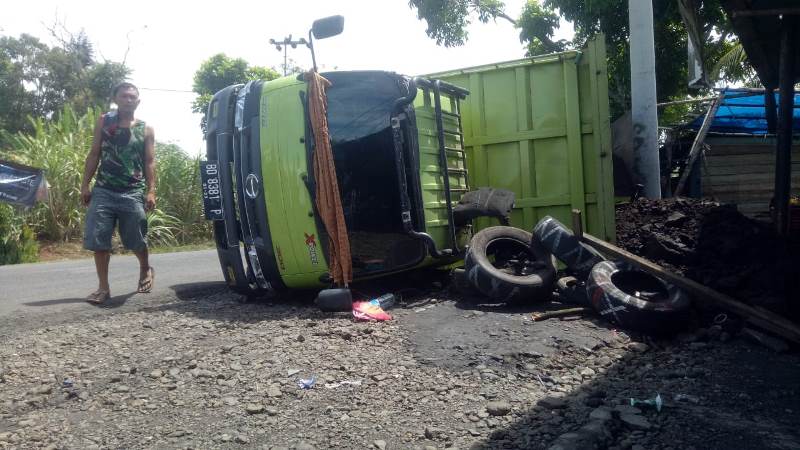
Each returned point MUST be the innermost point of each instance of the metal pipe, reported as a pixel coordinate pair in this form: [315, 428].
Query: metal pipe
[437, 103]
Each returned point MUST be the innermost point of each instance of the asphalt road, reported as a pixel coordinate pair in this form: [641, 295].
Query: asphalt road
[62, 286]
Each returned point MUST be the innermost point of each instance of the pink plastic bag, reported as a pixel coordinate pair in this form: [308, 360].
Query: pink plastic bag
[369, 311]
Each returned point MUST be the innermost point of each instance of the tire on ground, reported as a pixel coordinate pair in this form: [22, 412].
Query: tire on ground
[572, 290]
[502, 285]
[565, 246]
[636, 300]
[461, 285]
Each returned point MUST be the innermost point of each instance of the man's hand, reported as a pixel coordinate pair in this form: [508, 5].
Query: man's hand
[86, 195]
[150, 201]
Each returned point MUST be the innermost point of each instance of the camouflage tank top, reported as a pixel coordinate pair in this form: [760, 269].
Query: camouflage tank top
[121, 155]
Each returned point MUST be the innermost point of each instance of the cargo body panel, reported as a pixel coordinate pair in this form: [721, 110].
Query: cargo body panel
[540, 127]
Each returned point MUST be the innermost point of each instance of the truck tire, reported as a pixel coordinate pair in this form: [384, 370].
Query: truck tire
[559, 240]
[572, 290]
[636, 300]
[501, 264]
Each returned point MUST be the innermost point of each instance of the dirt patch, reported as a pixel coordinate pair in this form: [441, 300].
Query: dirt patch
[716, 246]
[62, 251]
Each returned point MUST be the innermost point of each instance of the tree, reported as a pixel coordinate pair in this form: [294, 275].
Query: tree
[448, 19]
[539, 20]
[219, 72]
[39, 81]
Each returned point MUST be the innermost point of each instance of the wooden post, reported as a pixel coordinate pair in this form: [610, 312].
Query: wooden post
[577, 223]
[783, 150]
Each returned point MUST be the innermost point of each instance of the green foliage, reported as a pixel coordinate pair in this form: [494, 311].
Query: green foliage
[161, 228]
[17, 240]
[179, 193]
[733, 66]
[219, 72]
[537, 26]
[59, 147]
[39, 81]
[448, 19]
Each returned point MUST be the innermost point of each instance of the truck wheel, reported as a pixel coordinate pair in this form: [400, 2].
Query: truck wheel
[572, 290]
[501, 264]
[461, 285]
[559, 240]
[636, 300]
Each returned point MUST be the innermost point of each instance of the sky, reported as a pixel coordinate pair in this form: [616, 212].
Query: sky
[165, 42]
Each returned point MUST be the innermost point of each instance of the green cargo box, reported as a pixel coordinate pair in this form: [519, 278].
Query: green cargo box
[540, 127]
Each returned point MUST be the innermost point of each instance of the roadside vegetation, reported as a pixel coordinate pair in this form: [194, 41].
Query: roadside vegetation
[50, 99]
[59, 147]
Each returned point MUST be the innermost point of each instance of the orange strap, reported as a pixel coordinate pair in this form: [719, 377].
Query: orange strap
[328, 199]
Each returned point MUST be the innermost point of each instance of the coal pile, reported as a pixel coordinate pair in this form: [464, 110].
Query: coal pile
[716, 246]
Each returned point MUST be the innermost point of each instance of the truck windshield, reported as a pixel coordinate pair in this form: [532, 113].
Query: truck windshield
[360, 105]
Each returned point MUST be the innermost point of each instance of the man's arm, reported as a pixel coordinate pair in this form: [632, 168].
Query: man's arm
[92, 161]
[150, 168]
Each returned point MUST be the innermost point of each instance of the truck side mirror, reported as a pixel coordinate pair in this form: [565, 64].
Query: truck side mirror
[327, 27]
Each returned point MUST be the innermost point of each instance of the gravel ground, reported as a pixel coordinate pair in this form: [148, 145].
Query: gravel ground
[201, 370]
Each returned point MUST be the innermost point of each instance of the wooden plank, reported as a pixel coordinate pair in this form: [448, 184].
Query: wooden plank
[699, 139]
[765, 148]
[749, 181]
[602, 137]
[758, 317]
[737, 160]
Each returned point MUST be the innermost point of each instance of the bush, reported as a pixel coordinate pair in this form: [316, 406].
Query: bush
[17, 240]
[179, 193]
[59, 147]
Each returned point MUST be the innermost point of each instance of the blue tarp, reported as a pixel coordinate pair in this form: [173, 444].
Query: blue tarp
[743, 112]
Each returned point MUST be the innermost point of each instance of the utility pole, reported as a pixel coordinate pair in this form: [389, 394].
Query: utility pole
[284, 45]
[643, 97]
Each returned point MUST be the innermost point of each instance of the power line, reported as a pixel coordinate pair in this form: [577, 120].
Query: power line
[166, 90]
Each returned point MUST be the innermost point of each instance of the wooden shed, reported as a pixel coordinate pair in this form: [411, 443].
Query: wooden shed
[741, 170]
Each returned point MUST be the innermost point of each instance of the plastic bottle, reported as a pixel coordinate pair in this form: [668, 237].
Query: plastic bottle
[385, 301]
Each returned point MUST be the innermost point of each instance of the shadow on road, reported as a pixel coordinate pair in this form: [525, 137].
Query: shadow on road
[114, 302]
[215, 301]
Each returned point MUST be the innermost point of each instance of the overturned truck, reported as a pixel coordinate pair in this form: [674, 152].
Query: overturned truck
[405, 156]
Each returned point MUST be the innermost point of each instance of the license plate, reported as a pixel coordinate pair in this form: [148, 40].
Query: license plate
[212, 201]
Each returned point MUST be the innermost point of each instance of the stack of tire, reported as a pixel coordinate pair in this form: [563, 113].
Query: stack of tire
[619, 292]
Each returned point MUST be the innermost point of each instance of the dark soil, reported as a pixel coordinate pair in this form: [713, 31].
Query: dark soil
[716, 246]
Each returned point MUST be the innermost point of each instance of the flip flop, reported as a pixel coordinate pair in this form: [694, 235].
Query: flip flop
[142, 290]
[98, 297]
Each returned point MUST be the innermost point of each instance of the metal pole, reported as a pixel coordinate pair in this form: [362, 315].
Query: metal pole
[783, 150]
[643, 97]
[285, 52]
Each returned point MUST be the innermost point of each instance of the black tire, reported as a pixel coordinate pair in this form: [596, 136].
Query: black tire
[559, 240]
[519, 274]
[571, 290]
[636, 300]
[461, 285]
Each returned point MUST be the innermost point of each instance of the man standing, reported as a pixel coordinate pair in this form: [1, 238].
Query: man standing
[125, 187]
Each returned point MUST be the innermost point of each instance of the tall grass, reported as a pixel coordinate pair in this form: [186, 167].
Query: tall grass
[179, 193]
[60, 146]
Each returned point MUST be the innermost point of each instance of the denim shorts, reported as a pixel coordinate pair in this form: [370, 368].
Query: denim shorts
[106, 209]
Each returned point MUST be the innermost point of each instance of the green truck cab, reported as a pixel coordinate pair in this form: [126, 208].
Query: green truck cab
[400, 164]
